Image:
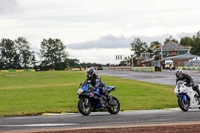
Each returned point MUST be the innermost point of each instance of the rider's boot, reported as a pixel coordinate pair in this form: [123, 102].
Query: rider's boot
[198, 91]
[109, 100]
[102, 102]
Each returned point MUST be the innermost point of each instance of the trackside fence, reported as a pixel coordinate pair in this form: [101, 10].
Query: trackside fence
[143, 69]
[122, 68]
[26, 70]
[129, 68]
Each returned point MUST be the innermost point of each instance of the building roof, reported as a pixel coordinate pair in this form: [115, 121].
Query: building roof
[183, 56]
[173, 46]
[151, 59]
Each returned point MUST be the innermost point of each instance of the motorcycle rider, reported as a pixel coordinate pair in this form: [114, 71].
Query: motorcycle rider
[97, 82]
[187, 78]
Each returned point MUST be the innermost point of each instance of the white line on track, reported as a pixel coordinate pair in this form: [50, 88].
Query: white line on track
[40, 125]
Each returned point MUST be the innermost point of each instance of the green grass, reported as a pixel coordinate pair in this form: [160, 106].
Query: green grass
[32, 93]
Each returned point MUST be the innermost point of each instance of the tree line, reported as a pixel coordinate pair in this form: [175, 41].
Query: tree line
[17, 54]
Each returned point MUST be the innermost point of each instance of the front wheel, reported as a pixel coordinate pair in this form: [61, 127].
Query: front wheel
[183, 103]
[114, 109]
[84, 106]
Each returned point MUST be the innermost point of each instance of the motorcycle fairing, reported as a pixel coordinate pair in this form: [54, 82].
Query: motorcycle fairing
[182, 95]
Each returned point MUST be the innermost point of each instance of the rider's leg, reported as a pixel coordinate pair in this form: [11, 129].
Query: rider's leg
[108, 99]
[104, 91]
[102, 100]
[196, 88]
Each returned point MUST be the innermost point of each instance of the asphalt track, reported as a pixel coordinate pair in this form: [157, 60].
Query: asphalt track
[98, 119]
[165, 77]
[131, 118]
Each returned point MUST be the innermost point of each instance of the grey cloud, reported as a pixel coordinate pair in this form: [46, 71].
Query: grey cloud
[108, 41]
[9, 6]
[111, 41]
[184, 34]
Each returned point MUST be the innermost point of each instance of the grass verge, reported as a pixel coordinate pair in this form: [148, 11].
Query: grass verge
[33, 93]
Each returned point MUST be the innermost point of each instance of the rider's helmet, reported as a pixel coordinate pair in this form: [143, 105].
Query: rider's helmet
[179, 73]
[90, 72]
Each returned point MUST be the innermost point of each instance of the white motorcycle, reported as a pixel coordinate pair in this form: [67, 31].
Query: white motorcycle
[187, 97]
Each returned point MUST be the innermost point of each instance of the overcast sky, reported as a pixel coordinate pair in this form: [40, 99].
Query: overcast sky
[96, 30]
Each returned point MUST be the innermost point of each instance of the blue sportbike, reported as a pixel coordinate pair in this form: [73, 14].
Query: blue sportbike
[89, 100]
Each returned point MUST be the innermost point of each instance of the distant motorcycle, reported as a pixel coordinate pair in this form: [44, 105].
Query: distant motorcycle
[187, 97]
[89, 100]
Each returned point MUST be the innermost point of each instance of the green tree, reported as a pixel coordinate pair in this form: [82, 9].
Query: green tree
[73, 63]
[170, 39]
[139, 47]
[23, 47]
[9, 57]
[83, 65]
[33, 60]
[196, 44]
[186, 41]
[53, 54]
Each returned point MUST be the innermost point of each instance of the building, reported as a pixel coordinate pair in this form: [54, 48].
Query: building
[143, 57]
[180, 60]
[171, 49]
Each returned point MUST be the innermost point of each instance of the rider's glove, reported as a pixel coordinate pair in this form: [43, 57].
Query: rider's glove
[94, 88]
[91, 89]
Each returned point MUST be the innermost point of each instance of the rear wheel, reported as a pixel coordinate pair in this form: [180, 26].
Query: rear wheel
[84, 106]
[183, 103]
[116, 108]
